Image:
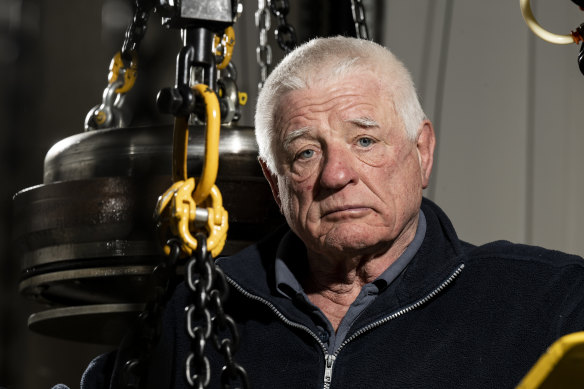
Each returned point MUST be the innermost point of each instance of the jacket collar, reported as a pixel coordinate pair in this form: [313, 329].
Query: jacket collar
[439, 256]
[441, 252]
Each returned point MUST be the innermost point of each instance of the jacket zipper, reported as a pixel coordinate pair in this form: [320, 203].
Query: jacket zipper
[330, 359]
[328, 370]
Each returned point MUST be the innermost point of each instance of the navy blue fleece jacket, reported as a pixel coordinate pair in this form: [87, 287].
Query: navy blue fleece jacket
[458, 316]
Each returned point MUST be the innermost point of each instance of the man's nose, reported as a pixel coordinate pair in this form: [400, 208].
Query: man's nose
[338, 169]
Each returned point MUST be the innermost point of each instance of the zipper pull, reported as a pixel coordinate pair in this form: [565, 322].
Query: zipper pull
[328, 370]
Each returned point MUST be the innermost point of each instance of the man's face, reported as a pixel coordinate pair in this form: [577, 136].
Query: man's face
[349, 180]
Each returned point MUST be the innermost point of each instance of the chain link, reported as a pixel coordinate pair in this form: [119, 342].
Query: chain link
[263, 50]
[206, 320]
[237, 7]
[359, 18]
[285, 33]
[136, 348]
[137, 29]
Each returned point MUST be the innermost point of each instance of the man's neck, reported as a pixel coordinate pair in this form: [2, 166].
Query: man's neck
[333, 284]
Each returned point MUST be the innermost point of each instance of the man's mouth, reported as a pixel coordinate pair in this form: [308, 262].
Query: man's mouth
[346, 210]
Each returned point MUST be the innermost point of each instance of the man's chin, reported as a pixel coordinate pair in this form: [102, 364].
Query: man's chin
[348, 238]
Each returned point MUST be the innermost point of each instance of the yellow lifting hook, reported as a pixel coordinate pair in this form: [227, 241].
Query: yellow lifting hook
[183, 202]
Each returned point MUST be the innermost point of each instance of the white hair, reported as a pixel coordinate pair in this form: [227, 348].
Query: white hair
[330, 59]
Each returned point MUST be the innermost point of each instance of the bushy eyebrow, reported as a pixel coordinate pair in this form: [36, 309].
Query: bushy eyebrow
[363, 122]
[293, 135]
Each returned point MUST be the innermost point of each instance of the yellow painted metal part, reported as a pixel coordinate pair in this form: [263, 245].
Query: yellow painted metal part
[117, 66]
[217, 222]
[100, 117]
[183, 197]
[211, 163]
[181, 143]
[217, 219]
[165, 198]
[228, 41]
[562, 365]
[179, 201]
[242, 98]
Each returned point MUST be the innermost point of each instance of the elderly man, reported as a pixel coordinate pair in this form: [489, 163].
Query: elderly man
[369, 286]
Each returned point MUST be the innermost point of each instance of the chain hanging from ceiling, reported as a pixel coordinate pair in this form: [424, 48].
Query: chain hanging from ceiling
[263, 50]
[285, 33]
[205, 317]
[358, 11]
[184, 206]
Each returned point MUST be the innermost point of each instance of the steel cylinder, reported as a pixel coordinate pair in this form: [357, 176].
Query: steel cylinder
[86, 237]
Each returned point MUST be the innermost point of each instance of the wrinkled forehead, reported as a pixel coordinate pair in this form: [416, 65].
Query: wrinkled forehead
[364, 87]
[336, 70]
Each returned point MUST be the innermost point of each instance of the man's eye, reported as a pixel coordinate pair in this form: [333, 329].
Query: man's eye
[365, 142]
[305, 154]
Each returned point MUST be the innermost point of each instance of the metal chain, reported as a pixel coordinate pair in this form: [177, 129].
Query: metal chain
[206, 319]
[237, 9]
[359, 18]
[123, 72]
[263, 50]
[285, 34]
[136, 347]
[137, 29]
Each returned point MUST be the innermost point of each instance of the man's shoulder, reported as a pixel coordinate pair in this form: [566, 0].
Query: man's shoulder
[520, 254]
[255, 263]
[265, 247]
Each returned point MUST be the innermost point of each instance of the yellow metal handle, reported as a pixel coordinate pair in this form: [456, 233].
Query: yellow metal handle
[211, 163]
[181, 140]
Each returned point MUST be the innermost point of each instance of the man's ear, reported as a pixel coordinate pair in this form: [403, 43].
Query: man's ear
[272, 180]
[425, 145]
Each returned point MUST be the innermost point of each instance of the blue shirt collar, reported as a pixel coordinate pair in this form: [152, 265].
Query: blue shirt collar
[291, 259]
